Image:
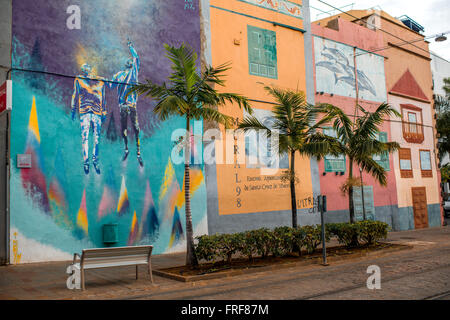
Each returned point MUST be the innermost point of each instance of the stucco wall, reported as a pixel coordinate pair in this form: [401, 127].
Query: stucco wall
[56, 208]
[404, 184]
[256, 206]
[334, 50]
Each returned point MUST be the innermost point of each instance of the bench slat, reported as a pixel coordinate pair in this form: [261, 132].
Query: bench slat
[117, 251]
[114, 264]
[113, 254]
[114, 259]
[119, 248]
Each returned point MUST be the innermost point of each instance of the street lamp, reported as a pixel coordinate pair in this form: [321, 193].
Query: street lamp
[440, 38]
[362, 194]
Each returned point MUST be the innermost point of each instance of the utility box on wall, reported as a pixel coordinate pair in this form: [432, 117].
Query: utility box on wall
[110, 233]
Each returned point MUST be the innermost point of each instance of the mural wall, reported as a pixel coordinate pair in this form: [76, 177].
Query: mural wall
[99, 156]
[335, 71]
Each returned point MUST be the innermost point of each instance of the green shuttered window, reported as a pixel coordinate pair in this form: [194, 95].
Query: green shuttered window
[369, 207]
[332, 163]
[383, 159]
[262, 52]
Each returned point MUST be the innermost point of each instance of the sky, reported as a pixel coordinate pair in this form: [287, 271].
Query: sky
[433, 15]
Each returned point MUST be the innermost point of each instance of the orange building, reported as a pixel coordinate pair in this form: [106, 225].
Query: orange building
[265, 42]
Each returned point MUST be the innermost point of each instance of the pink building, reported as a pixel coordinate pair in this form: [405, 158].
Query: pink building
[338, 48]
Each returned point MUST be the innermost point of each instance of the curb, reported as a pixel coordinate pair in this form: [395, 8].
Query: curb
[311, 261]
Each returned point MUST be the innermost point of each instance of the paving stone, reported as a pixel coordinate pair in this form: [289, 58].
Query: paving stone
[411, 274]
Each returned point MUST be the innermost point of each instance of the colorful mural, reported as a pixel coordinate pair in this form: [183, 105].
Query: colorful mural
[71, 115]
[335, 71]
[282, 6]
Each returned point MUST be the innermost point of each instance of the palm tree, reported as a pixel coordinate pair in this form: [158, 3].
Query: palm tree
[295, 123]
[190, 94]
[358, 141]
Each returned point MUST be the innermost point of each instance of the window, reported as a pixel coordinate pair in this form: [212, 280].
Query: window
[405, 163]
[425, 163]
[262, 52]
[412, 123]
[333, 163]
[412, 119]
[369, 206]
[383, 159]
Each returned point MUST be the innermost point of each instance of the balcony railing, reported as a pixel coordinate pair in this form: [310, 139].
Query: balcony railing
[413, 132]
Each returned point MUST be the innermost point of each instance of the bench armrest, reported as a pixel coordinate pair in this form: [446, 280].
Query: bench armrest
[75, 255]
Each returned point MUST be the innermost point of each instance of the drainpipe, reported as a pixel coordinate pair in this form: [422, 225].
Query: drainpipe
[310, 87]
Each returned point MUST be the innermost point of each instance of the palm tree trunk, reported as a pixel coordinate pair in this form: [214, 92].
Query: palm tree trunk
[292, 185]
[351, 206]
[191, 258]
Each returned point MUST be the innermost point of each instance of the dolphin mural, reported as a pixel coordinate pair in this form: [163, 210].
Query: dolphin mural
[336, 62]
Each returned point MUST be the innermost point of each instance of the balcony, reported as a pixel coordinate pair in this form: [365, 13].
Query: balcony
[413, 132]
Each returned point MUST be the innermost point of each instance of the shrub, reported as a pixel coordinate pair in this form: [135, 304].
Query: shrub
[263, 241]
[346, 233]
[229, 244]
[282, 241]
[332, 228]
[206, 247]
[249, 244]
[313, 237]
[372, 231]
[298, 239]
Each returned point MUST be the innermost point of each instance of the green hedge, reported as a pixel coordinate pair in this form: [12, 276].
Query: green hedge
[282, 241]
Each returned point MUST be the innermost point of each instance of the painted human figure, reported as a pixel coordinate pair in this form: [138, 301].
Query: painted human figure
[89, 98]
[123, 80]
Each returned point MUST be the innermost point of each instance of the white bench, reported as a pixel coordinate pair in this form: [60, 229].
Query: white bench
[114, 257]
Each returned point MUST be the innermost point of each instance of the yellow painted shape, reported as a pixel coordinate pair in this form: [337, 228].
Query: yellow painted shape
[196, 180]
[82, 220]
[169, 175]
[33, 124]
[123, 195]
[16, 254]
[134, 222]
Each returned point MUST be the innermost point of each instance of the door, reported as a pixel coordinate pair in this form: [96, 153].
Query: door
[419, 199]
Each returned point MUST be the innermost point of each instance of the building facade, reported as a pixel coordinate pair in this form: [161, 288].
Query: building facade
[265, 41]
[409, 86]
[341, 49]
[81, 174]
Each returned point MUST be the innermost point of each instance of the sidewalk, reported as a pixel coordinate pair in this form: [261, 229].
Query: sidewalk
[48, 280]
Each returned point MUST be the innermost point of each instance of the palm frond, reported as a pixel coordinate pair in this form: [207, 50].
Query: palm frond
[210, 114]
[252, 123]
[319, 145]
[169, 106]
[341, 124]
[367, 126]
[373, 168]
[183, 66]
